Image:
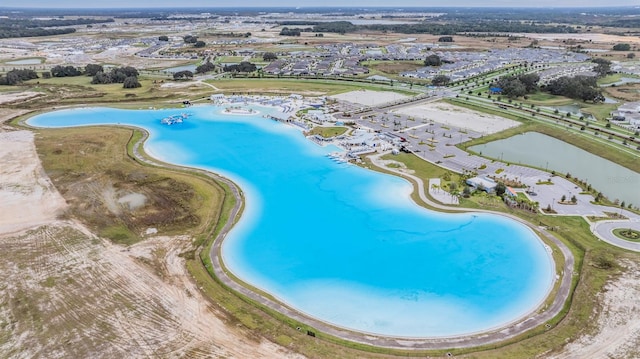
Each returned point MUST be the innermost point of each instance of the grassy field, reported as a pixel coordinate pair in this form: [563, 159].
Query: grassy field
[288, 86]
[91, 170]
[328, 132]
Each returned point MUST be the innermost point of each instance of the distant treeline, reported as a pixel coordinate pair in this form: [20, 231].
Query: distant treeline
[16, 27]
[9, 33]
[343, 27]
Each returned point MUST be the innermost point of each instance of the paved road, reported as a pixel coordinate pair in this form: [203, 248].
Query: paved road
[604, 231]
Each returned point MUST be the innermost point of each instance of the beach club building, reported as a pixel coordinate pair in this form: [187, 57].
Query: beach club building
[482, 183]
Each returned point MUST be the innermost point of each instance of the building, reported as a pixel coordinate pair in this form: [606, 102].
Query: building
[628, 112]
[482, 183]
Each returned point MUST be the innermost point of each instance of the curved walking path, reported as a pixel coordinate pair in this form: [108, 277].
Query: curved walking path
[402, 343]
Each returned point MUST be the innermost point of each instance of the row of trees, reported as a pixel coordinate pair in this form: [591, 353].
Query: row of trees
[16, 27]
[291, 31]
[65, 71]
[16, 77]
[206, 67]
[517, 86]
[190, 39]
[452, 28]
[580, 87]
[128, 76]
[243, 66]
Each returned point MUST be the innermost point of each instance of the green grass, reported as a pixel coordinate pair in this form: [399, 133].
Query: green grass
[303, 86]
[542, 98]
[627, 234]
[328, 132]
[229, 59]
[119, 234]
[609, 79]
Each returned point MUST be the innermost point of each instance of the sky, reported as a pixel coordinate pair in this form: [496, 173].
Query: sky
[316, 3]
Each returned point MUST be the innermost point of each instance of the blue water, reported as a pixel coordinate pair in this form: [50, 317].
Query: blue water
[344, 244]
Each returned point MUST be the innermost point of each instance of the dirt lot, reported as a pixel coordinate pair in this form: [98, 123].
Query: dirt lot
[66, 293]
[618, 334]
[459, 117]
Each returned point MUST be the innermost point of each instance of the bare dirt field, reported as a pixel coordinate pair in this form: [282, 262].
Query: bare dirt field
[618, 334]
[11, 97]
[27, 197]
[459, 117]
[66, 293]
[368, 97]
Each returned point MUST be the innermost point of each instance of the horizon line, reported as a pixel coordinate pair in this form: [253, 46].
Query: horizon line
[321, 6]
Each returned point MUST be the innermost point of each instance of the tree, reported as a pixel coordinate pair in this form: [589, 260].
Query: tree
[65, 71]
[289, 32]
[189, 39]
[243, 66]
[621, 47]
[433, 60]
[93, 69]
[116, 75]
[466, 192]
[440, 80]
[163, 38]
[131, 82]
[500, 189]
[603, 66]
[206, 67]
[269, 56]
[199, 43]
[183, 75]
[15, 77]
[574, 200]
[563, 198]
[631, 55]
[580, 87]
[445, 39]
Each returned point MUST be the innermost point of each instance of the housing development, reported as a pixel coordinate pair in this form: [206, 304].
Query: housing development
[319, 183]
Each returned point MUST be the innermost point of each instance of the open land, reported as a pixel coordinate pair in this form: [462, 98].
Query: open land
[369, 98]
[94, 268]
[68, 293]
[459, 117]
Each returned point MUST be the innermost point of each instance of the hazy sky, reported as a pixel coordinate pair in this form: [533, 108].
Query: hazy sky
[301, 3]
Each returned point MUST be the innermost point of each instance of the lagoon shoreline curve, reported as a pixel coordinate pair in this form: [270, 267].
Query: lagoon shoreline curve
[520, 326]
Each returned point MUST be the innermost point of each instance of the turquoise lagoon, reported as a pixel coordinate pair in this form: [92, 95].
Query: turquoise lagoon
[341, 243]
